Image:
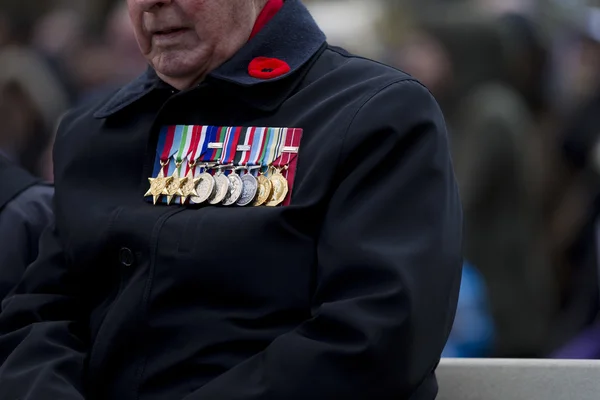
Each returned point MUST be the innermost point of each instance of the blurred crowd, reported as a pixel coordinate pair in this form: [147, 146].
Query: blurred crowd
[521, 94]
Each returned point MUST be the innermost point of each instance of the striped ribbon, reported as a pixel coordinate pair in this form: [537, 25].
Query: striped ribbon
[218, 139]
[257, 146]
[230, 143]
[246, 152]
[170, 147]
[184, 146]
[199, 146]
[291, 140]
[273, 146]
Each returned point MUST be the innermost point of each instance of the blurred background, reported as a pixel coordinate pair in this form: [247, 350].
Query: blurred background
[519, 84]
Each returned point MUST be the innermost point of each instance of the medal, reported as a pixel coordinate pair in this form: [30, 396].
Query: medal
[253, 166]
[283, 169]
[215, 139]
[221, 188]
[280, 188]
[206, 185]
[165, 149]
[272, 150]
[196, 180]
[158, 185]
[205, 188]
[234, 189]
[174, 186]
[264, 190]
[249, 190]
[249, 183]
[186, 184]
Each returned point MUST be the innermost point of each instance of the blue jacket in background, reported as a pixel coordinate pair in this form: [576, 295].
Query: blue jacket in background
[473, 331]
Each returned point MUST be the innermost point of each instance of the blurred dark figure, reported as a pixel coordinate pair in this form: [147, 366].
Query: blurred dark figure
[105, 64]
[31, 101]
[58, 36]
[490, 102]
[580, 297]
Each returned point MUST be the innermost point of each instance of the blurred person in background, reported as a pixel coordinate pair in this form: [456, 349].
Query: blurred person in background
[472, 335]
[579, 322]
[120, 38]
[489, 101]
[31, 101]
[59, 36]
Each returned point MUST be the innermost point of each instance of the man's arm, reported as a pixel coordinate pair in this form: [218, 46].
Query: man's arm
[389, 268]
[41, 350]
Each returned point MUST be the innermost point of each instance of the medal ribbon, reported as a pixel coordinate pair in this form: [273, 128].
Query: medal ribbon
[184, 145]
[178, 132]
[273, 146]
[257, 146]
[199, 144]
[193, 148]
[289, 160]
[289, 139]
[219, 139]
[164, 147]
[208, 135]
[264, 149]
[245, 154]
[230, 145]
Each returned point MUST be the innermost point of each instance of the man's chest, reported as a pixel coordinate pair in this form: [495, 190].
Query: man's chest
[102, 175]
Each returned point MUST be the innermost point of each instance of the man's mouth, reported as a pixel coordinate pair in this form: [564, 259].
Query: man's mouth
[169, 31]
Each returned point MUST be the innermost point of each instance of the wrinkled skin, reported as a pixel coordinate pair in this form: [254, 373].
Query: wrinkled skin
[183, 40]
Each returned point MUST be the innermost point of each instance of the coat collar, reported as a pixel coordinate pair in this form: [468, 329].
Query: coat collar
[292, 36]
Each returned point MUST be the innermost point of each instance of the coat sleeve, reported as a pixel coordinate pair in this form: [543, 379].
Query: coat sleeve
[41, 351]
[22, 222]
[389, 266]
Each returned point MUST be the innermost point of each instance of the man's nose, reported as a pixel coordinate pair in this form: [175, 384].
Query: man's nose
[152, 5]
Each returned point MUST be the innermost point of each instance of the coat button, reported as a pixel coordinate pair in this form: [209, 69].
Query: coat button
[126, 257]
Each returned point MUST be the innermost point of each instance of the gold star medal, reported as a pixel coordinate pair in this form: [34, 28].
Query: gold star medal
[188, 189]
[174, 186]
[158, 185]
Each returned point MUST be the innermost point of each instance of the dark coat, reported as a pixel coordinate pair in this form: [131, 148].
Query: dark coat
[25, 210]
[347, 293]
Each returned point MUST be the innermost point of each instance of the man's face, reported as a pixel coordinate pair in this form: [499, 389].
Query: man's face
[183, 40]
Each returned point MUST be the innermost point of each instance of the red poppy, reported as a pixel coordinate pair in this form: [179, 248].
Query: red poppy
[267, 68]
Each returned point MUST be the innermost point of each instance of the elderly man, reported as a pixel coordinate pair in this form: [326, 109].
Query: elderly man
[258, 216]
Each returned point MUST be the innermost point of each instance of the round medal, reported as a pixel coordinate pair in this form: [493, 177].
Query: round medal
[222, 186]
[280, 189]
[235, 189]
[265, 188]
[249, 190]
[205, 188]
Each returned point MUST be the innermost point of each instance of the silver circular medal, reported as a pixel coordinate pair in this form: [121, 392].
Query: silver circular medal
[222, 187]
[205, 188]
[249, 190]
[235, 189]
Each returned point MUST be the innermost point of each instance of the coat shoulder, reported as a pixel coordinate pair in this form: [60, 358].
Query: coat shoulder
[83, 113]
[361, 79]
[362, 68]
